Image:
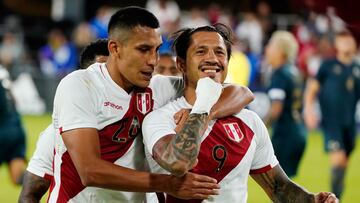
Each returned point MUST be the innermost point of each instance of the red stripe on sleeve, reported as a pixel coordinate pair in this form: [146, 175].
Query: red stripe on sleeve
[261, 170]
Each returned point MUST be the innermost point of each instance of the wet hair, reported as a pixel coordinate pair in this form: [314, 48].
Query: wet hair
[89, 53]
[182, 38]
[128, 18]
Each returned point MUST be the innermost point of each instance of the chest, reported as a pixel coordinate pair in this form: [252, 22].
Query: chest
[227, 144]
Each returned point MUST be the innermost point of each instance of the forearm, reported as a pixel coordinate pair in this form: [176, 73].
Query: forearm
[232, 100]
[280, 188]
[178, 153]
[312, 88]
[33, 189]
[108, 175]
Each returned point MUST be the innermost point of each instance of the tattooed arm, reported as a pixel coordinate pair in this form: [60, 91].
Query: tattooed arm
[178, 153]
[280, 188]
[34, 187]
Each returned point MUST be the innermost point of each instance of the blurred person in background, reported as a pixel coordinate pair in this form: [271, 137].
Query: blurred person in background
[168, 13]
[100, 21]
[337, 86]
[39, 173]
[82, 36]
[12, 134]
[59, 56]
[167, 65]
[285, 93]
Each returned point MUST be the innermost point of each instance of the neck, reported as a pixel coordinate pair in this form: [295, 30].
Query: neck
[190, 94]
[117, 77]
[344, 59]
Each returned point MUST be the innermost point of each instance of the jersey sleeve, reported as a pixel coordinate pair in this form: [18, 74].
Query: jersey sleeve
[322, 73]
[166, 89]
[41, 162]
[156, 125]
[277, 90]
[264, 157]
[74, 104]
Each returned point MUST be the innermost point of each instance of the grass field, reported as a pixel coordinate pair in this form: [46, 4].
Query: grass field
[313, 174]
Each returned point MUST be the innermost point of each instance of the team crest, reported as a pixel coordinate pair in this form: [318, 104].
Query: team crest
[233, 131]
[143, 102]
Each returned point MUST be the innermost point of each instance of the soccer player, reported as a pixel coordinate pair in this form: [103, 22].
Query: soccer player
[167, 65]
[12, 135]
[285, 91]
[96, 51]
[39, 173]
[228, 149]
[337, 83]
[98, 114]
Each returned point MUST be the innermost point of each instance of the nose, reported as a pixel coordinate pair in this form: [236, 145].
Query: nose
[153, 59]
[211, 56]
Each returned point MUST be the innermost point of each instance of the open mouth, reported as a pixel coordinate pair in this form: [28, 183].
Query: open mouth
[210, 70]
[147, 74]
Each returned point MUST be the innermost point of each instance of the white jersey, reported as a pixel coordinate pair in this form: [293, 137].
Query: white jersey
[91, 99]
[231, 148]
[41, 162]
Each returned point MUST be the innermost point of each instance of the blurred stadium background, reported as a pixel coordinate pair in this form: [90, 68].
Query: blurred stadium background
[40, 42]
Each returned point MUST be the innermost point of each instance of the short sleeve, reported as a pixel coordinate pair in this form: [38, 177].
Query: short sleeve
[156, 125]
[41, 162]
[277, 89]
[264, 157]
[74, 104]
[322, 73]
[166, 89]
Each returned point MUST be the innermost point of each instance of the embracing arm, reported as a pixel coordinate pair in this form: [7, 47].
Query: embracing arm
[83, 147]
[33, 188]
[178, 153]
[280, 188]
[232, 100]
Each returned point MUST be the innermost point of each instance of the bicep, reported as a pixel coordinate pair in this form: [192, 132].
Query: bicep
[83, 146]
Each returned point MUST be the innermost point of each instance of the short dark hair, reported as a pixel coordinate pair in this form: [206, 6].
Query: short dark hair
[89, 53]
[129, 17]
[182, 38]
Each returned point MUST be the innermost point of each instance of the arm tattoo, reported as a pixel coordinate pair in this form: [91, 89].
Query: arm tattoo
[281, 189]
[34, 187]
[180, 153]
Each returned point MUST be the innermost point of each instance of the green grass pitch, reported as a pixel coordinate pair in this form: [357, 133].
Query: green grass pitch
[313, 173]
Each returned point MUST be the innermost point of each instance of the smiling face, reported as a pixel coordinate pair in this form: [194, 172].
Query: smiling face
[205, 57]
[135, 57]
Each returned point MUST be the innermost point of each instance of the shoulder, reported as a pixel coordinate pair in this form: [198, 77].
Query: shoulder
[250, 118]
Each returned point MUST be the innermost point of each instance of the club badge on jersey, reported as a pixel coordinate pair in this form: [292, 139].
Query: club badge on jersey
[233, 131]
[143, 102]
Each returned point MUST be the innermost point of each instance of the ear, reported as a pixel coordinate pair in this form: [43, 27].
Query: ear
[114, 47]
[180, 63]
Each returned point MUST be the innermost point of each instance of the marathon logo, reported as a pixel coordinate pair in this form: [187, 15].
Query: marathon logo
[112, 105]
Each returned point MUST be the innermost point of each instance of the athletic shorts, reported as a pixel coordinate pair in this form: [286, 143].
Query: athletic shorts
[339, 138]
[289, 150]
[12, 143]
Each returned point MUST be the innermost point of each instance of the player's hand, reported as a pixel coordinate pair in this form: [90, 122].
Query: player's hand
[180, 117]
[193, 186]
[310, 118]
[207, 94]
[326, 197]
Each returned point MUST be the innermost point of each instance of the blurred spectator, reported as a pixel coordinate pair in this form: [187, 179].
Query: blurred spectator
[11, 50]
[338, 85]
[263, 12]
[250, 29]
[82, 35]
[167, 65]
[238, 68]
[12, 135]
[285, 93]
[59, 56]
[100, 22]
[168, 13]
[195, 18]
